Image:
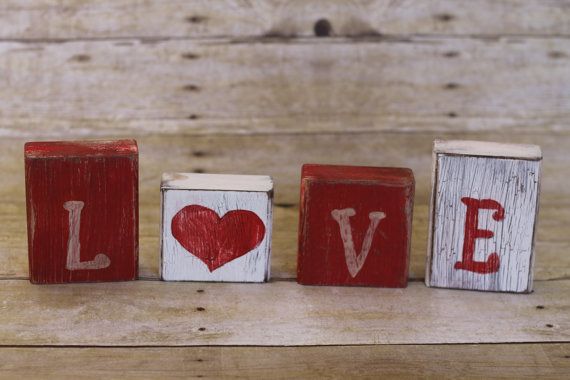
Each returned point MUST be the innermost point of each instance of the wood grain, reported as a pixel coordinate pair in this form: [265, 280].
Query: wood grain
[71, 19]
[521, 361]
[131, 87]
[365, 82]
[276, 313]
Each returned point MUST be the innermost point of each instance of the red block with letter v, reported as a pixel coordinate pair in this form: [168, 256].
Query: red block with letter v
[355, 225]
[82, 207]
[483, 216]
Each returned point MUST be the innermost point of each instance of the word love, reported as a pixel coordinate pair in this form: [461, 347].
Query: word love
[345, 207]
[97, 184]
[216, 227]
[484, 207]
[354, 221]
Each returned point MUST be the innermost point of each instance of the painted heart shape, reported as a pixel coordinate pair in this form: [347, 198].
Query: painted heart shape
[217, 241]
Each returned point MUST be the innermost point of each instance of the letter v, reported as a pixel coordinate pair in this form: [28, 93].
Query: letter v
[342, 217]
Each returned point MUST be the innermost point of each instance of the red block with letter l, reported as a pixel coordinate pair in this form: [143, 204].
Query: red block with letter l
[82, 208]
[355, 225]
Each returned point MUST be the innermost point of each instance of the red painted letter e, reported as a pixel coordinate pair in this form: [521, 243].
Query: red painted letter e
[472, 232]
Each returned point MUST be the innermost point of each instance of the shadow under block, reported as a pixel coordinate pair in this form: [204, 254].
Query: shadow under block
[82, 210]
[483, 216]
[216, 227]
[355, 225]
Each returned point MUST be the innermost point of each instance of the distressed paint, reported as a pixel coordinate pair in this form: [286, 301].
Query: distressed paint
[350, 209]
[82, 207]
[215, 235]
[483, 219]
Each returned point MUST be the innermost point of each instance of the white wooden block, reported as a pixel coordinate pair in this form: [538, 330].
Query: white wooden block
[483, 214]
[216, 227]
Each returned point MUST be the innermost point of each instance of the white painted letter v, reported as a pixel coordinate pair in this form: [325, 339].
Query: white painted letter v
[353, 262]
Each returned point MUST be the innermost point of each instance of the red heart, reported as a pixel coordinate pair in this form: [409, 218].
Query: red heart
[214, 240]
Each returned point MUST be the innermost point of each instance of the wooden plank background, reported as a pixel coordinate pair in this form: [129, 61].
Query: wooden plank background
[260, 87]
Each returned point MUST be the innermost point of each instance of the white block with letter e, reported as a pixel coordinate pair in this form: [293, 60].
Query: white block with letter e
[483, 216]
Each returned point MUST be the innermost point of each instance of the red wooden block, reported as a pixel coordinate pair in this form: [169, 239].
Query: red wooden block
[82, 206]
[355, 225]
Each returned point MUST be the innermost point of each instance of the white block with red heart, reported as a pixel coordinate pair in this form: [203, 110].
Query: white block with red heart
[216, 227]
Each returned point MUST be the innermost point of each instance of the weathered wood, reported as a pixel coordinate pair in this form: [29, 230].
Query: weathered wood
[275, 313]
[103, 88]
[216, 227]
[282, 157]
[355, 225]
[82, 210]
[70, 19]
[483, 215]
[521, 361]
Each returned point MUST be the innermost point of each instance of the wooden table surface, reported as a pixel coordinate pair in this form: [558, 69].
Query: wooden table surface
[261, 87]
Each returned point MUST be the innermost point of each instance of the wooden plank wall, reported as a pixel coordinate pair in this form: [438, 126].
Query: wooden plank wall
[260, 87]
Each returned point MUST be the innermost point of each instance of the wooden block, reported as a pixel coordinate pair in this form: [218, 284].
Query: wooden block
[216, 227]
[483, 216]
[82, 208]
[355, 225]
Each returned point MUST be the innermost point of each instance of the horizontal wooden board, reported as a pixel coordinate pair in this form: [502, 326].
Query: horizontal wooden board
[40, 19]
[117, 88]
[276, 313]
[521, 361]
[282, 157]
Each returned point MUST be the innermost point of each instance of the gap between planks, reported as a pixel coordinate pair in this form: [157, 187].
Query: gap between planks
[228, 39]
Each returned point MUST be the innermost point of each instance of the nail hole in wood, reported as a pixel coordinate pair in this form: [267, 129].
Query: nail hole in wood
[190, 56]
[200, 291]
[452, 115]
[540, 307]
[323, 28]
[202, 329]
[191, 87]
[81, 58]
[556, 54]
[193, 117]
[549, 325]
[200, 309]
[444, 17]
[451, 86]
[199, 153]
[451, 54]
[196, 19]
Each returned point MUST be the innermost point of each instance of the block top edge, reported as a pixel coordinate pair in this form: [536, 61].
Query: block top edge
[85, 148]
[487, 149]
[222, 182]
[389, 175]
